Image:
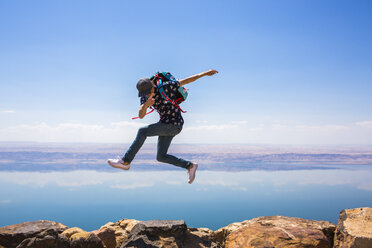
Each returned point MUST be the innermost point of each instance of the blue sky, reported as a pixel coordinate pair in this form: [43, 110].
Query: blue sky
[291, 72]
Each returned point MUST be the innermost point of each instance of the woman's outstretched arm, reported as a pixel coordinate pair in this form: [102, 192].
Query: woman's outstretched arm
[196, 76]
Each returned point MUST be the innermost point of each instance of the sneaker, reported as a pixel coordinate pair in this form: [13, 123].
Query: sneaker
[192, 171]
[118, 163]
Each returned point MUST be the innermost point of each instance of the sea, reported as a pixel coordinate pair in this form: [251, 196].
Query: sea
[90, 198]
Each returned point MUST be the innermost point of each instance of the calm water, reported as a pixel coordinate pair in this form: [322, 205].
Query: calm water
[89, 199]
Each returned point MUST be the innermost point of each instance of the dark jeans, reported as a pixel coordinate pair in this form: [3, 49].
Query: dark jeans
[166, 132]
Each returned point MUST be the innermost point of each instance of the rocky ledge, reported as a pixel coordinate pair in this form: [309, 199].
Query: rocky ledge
[354, 229]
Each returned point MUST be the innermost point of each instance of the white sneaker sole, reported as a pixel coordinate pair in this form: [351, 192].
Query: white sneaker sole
[121, 166]
[193, 178]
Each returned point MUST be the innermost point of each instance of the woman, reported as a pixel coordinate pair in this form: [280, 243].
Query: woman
[170, 123]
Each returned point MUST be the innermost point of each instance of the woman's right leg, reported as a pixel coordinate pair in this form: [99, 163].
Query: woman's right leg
[136, 145]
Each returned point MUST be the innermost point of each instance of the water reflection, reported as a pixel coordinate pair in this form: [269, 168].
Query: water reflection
[89, 199]
[360, 179]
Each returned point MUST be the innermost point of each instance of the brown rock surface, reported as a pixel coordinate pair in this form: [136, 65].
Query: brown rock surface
[156, 233]
[11, 236]
[354, 228]
[114, 234]
[71, 231]
[277, 231]
[222, 233]
[49, 238]
[122, 229]
[169, 234]
[107, 235]
[200, 238]
[85, 240]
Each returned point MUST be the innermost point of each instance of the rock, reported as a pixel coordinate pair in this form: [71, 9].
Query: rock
[203, 233]
[85, 240]
[221, 234]
[168, 233]
[11, 236]
[354, 228]
[127, 224]
[200, 237]
[71, 231]
[277, 231]
[121, 230]
[157, 233]
[49, 238]
[107, 235]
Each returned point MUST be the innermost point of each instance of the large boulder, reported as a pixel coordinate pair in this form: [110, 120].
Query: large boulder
[107, 235]
[277, 231]
[200, 238]
[354, 228]
[49, 238]
[11, 236]
[168, 234]
[71, 231]
[114, 234]
[157, 233]
[85, 240]
[78, 238]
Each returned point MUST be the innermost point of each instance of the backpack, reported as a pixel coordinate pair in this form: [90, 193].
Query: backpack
[164, 78]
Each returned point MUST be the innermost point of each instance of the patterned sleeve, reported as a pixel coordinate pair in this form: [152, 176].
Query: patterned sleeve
[171, 89]
[143, 100]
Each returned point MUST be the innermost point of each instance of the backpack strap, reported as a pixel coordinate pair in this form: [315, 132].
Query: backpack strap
[159, 84]
[152, 110]
[151, 107]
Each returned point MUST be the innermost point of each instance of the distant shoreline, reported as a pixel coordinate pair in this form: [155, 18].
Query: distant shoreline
[62, 156]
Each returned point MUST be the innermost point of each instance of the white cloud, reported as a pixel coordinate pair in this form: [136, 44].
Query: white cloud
[227, 126]
[212, 127]
[240, 189]
[173, 182]
[71, 132]
[254, 129]
[364, 124]
[201, 121]
[132, 186]
[202, 189]
[366, 186]
[229, 132]
[323, 128]
[8, 111]
[125, 124]
[279, 127]
[219, 182]
[240, 122]
[5, 201]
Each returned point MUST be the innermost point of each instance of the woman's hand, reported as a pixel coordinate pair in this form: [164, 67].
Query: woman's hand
[150, 101]
[210, 72]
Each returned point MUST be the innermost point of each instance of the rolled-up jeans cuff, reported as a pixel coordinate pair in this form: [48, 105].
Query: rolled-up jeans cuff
[188, 165]
[125, 160]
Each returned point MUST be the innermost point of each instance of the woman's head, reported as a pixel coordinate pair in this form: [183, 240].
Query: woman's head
[144, 87]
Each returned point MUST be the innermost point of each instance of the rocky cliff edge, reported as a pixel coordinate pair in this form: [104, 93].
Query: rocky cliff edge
[354, 229]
